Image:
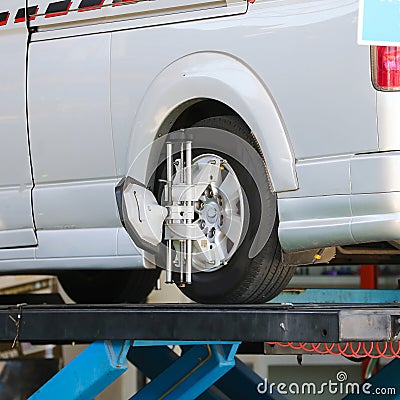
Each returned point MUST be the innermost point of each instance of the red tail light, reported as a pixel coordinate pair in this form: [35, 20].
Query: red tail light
[386, 67]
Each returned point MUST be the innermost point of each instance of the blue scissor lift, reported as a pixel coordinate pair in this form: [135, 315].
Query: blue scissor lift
[209, 338]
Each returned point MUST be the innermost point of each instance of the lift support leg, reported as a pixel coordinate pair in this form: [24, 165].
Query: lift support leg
[239, 383]
[192, 374]
[103, 362]
[88, 374]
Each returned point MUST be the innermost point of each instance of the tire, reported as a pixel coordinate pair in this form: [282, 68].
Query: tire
[244, 279]
[108, 287]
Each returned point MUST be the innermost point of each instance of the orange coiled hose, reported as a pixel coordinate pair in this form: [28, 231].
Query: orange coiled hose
[386, 350]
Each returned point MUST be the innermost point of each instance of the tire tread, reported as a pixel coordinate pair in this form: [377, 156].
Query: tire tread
[266, 275]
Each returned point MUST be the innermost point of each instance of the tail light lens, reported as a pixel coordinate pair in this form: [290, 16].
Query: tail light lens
[385, 67]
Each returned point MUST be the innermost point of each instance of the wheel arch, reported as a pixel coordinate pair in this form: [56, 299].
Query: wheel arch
[217, 82]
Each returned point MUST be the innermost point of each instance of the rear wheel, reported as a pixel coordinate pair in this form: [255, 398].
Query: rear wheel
[108, 287]
[241, 278]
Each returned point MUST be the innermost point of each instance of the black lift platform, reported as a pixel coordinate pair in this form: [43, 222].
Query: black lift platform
[193, 322]
[209, 337]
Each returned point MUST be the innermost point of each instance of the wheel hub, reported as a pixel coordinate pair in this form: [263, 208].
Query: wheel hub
[218, 213]
[205, 220]
[211, 212]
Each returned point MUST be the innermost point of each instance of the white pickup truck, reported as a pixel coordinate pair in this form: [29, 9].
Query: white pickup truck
[230, 140]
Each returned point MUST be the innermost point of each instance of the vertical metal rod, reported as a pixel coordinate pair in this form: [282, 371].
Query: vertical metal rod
[182, 260]
[189, 163]
[170, 165]
[182, 169]
[168, 278]
[182, 243]
[169, 197]
[188, 271]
